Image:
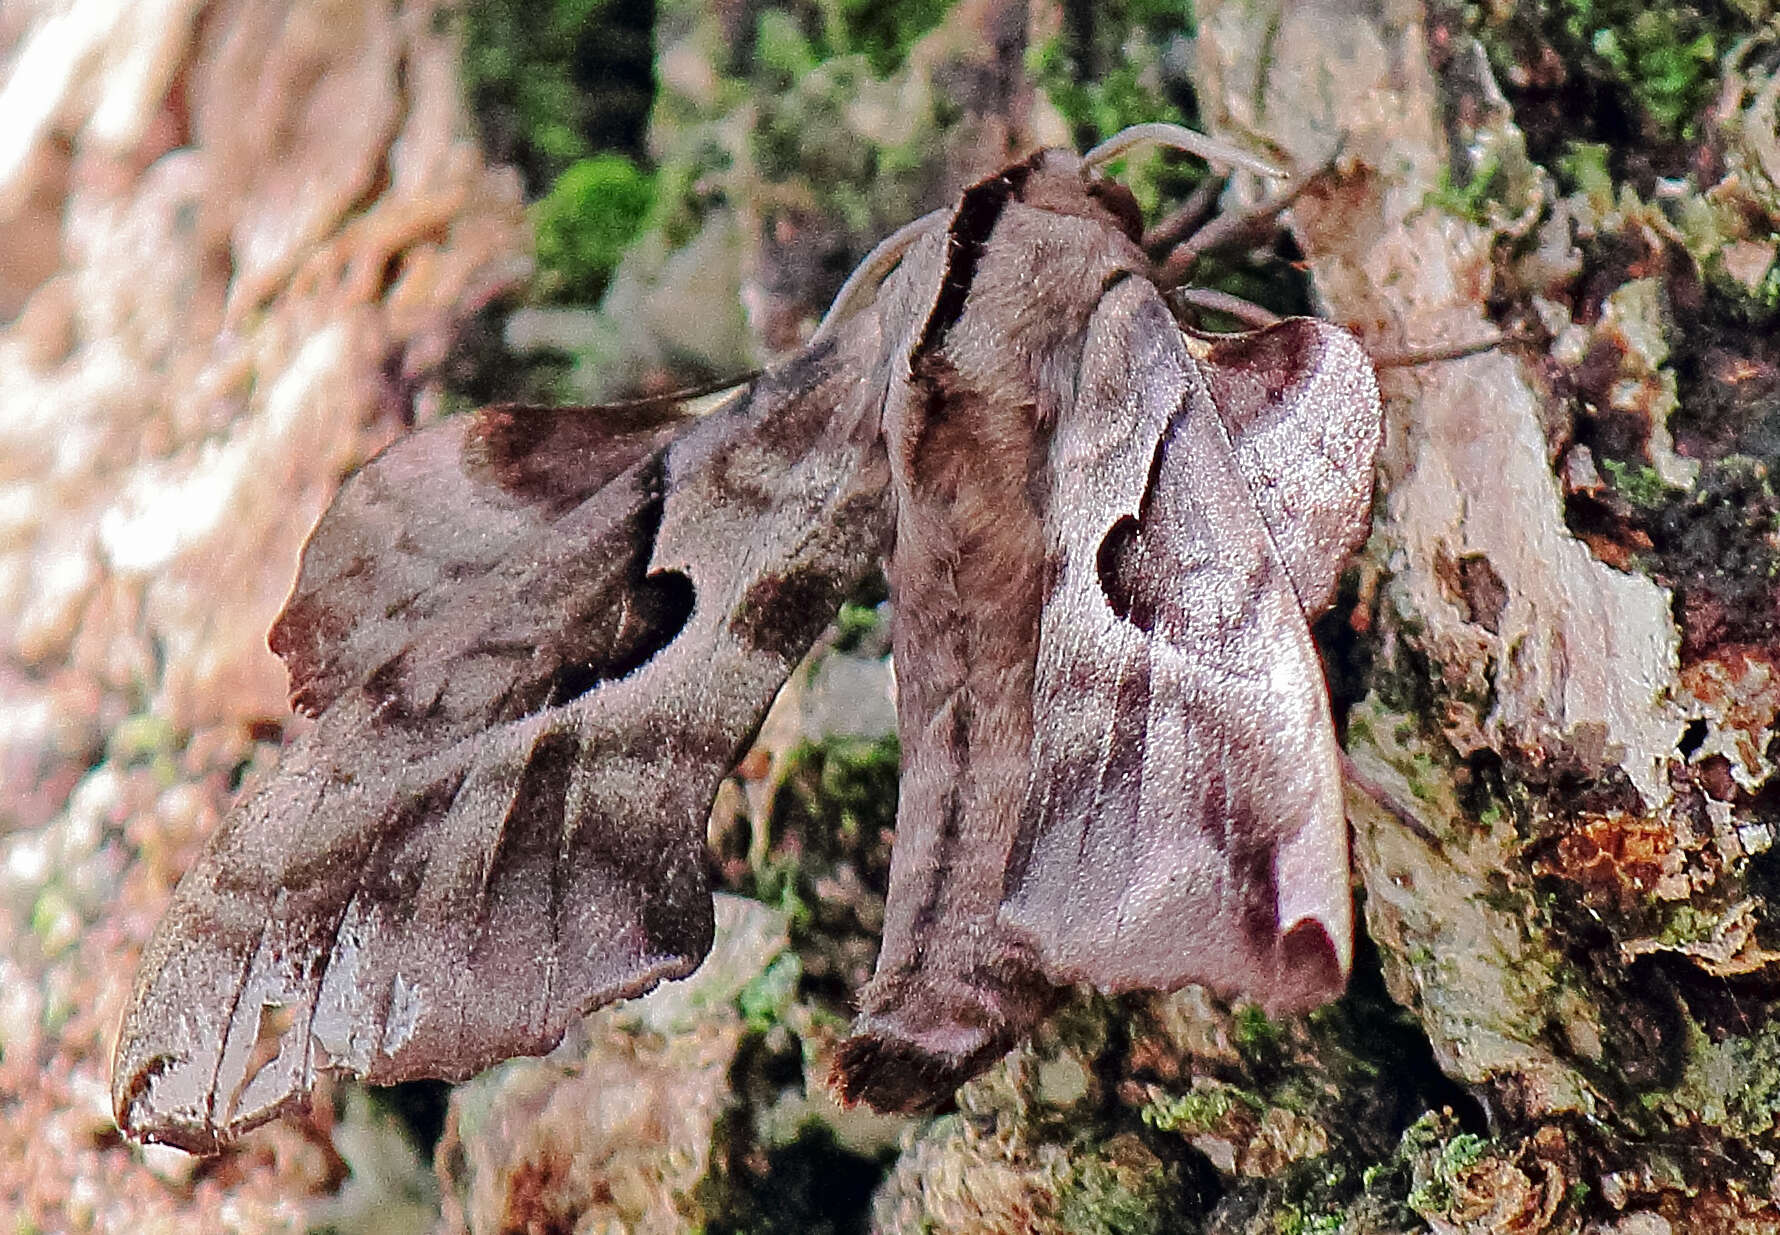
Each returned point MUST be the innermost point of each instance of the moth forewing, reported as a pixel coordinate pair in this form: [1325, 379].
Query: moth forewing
[1184, 812]
[1119, 765]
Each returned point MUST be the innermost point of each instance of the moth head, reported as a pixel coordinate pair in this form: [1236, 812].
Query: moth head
[1117, 201]
[1062, 182]
[1114, 198]
[1058, 180]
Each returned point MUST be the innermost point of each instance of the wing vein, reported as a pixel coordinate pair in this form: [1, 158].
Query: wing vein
[365, 867]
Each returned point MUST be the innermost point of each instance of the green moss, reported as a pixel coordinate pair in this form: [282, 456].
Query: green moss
[583, 225]
[1760, 302]
[781, 48]
[764, 1000]
[527, 61]
[1290, 1220]
[811, 1184]
[1639, 484]
[1732, 1085]
[552, 83]
[682, 197]
[881, 31]
[1639, 76]
[147, 740]
[1319, 1196]
[782, 882]
[1711, 224]
[1582, 168]
[857, 624]
[1257, 1038]
[836, 803]
[1664, 56]
[1472, 199]
[1359, 729]
[1121, 1189]
[1115, 68]
[1440, 1154]
[143, 737]
[1107, 76]
[1717, 543]
[1317, 1106]
[806, 137]
[562, 90]
[1201, 1109]
[817, 99]
[1100, 107]
[56, 921]
[1429, 781]
[1463, 1150]
[850, 782]
[1685, 923]
[1431, 1197]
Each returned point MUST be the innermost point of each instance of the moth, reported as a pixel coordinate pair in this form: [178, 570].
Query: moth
[536, 640]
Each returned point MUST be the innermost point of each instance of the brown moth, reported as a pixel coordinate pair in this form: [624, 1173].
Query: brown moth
[536, 640]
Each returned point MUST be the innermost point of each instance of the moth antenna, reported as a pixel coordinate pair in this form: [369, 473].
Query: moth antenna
[1178, 137]
[680, 394]
[863, 283]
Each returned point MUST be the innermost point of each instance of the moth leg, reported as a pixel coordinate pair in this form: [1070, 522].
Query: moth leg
[1255, 317]
[1409, 357]
[1230, 231]
[1200, 208]
[1247, 312]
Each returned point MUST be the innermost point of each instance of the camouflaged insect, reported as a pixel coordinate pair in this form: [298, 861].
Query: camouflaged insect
[536, 640]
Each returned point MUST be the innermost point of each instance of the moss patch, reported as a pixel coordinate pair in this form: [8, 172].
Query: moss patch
[811, 1185]
[586, 221]
[1118, 1188]
[553, 83]
[1732, 1084]
[1117, 64]
[1619, 71]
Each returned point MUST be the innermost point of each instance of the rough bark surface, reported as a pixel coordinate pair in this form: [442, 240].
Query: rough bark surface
[237, 240]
